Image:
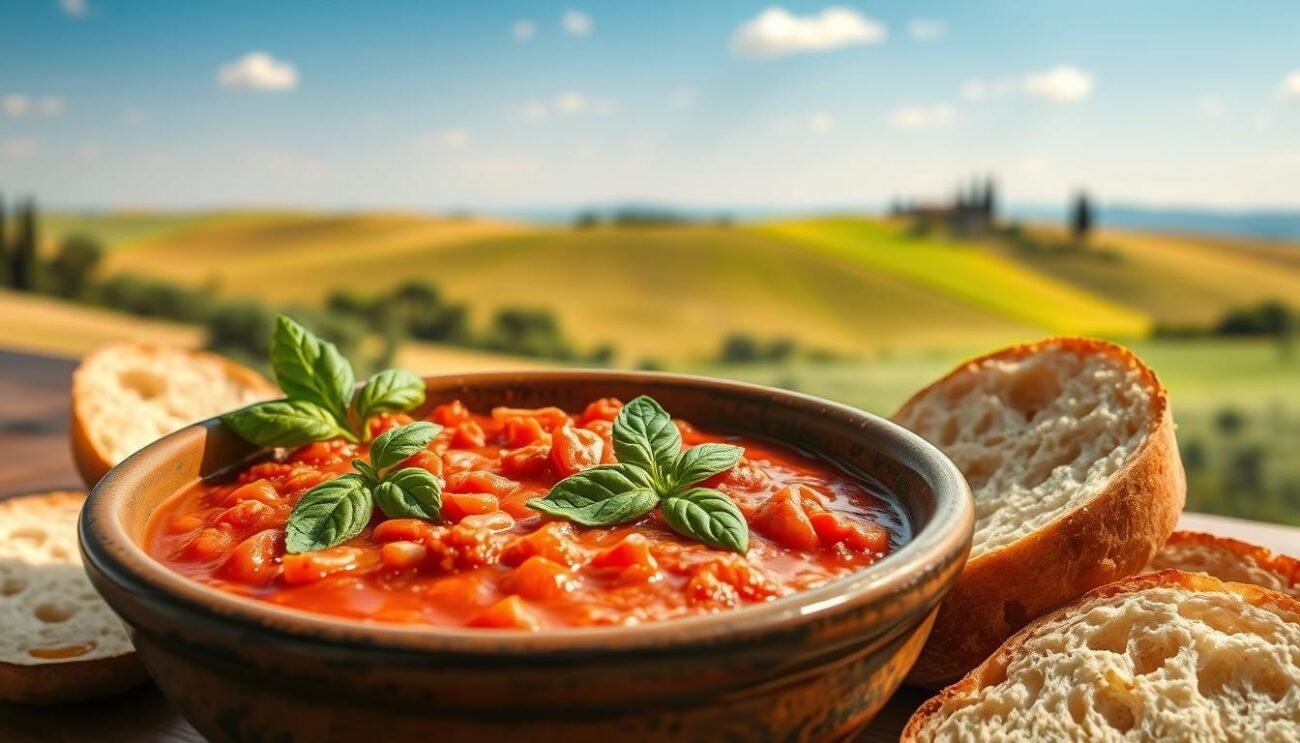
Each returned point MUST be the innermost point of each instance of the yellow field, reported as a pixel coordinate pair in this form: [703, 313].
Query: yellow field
[52, 326]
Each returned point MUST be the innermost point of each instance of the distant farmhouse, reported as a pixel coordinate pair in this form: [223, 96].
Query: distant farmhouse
[971, 213]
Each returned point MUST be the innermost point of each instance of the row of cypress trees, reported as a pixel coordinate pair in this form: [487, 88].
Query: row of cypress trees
[18, 252]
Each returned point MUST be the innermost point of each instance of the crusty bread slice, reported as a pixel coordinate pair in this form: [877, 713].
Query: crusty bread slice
[1228, 560]
[59, 641]
[1166, 656]
[127, 395]
[1068, 446]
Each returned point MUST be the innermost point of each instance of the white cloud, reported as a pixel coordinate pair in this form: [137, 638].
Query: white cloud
[451, 138]
[921, 117]
[567, 103]
[1062, 84]
[820, 122]
[1289, 89]
[16, 104]
[523, 30]
[17, 148]
[74, 8]
[258, 71]
[927, 29]
[1208, 104]
[776, 32]
[577, 23]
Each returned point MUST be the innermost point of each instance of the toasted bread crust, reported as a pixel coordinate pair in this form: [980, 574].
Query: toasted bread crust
[1113, 536]
[1286, 568]
[91, 460]
[994, 668]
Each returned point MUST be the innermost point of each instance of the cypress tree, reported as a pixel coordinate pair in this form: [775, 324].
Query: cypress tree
[23, 271]
[1081, 217]
[4, 246]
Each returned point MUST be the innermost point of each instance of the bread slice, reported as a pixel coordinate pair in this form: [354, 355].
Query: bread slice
[60, 642]
[1165, 656]
[127, 395]
[1228, 560]
[1068, 446]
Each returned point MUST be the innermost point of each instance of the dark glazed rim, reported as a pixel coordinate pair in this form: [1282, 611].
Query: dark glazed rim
[946, 539]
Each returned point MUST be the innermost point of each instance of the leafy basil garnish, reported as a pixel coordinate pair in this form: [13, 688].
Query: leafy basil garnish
[653, 471]
[319, 384]
[330, 513]
[337, 510]
[709, 516]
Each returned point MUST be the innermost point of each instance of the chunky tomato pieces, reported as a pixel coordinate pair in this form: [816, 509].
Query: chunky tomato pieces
[495, 563]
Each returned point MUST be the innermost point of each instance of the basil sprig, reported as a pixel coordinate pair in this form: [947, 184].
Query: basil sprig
[652, 471]
[337, 510]
[320, 387]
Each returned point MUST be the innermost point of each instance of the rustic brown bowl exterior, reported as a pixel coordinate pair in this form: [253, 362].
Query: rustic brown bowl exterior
[813, 666]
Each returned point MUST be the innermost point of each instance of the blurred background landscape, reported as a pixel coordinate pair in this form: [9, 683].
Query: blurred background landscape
[841, 200]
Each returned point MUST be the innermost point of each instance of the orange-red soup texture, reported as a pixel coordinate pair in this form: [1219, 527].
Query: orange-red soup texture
[496, 563]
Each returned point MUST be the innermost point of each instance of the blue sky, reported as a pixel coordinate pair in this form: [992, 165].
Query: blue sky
[109, 103]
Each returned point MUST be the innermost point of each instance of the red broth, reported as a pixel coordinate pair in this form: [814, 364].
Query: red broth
[496, 563]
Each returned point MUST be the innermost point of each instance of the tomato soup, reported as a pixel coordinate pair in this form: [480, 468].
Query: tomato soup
[496, 563]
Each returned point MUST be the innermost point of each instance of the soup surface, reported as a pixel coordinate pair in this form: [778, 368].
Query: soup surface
[495, 562]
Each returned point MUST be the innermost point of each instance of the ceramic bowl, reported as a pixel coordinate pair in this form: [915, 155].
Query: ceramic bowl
[811, 666]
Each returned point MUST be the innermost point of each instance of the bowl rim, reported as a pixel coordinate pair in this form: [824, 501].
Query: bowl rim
[107, 547]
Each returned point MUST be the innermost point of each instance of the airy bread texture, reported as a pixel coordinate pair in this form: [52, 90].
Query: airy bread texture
[60, 641]
[128, 395]
[1165, 656]
[1228, 560]
[1068, 446]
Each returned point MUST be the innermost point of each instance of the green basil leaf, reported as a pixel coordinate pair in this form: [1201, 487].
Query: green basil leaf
[704, 461]
[709, 516]
[396, 444]
[644, 436]
[410, 493]
[308, 368]
[329, 514]
[368, 473]
[601, 496]
[283, 423]
[391, 391]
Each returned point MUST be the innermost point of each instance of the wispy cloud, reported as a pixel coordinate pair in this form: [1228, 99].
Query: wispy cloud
[1060, 84]
[567, 103]
[523, 30]
[927, 29]
[820, 122]
[74, 8]
[776, 32]
[258, 71]
[19, 104]
[577, 23]
[450, 138]
[921, 117]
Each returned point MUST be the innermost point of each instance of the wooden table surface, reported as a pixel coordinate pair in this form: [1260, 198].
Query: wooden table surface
[34, 456]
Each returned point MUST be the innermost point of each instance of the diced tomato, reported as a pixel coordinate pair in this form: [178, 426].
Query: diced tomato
[724, 581]
[550, 418]
[384, 421]
[858, 536]
[604, 409]
[553, 540]
[402, 554]
[539, 579]
[575, 449]
[480, 482]
[253, 561]
[464, 546]
[413, 530]
[185, 522]
[303, 479]
[309, 567]
[457, 462]
[605, 430]
[744, 475]
[528, 461]
[262, 491]
[265, 471]
[630, 558]
[456, 506]
[510, 612]
[209, 543]
[495, 521]
[784, 517]
[425, 460]
[523, 431]
[452, 414]
[249, 516]
[325, 453]
[469, 434]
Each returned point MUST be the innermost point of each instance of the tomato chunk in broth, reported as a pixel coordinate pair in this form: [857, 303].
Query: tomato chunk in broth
[494, 563]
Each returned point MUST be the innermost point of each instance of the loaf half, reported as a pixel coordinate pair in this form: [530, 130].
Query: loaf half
[1228, 560]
